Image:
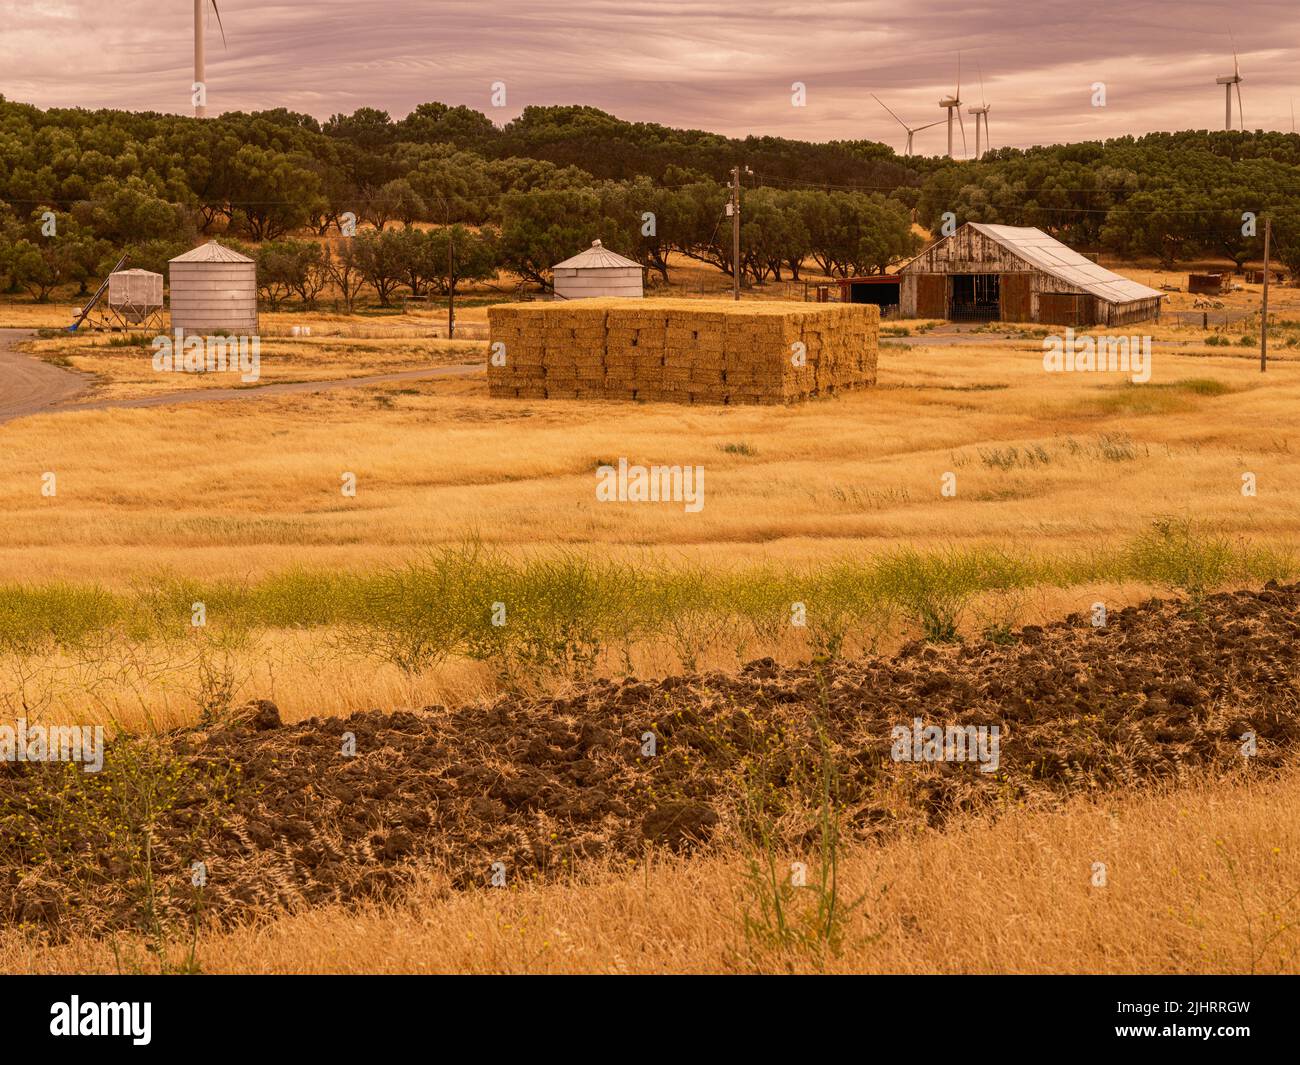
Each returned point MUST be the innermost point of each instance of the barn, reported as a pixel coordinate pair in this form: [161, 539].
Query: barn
[1017, 274]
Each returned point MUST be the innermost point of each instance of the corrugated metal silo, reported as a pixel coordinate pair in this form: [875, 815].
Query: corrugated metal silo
[597, 272]
[214, 290]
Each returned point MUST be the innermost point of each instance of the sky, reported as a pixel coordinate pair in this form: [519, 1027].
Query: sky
[729, 68]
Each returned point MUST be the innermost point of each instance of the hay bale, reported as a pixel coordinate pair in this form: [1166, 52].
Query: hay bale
[685, 351]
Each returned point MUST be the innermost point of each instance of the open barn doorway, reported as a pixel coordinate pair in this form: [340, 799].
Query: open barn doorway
[975, 298]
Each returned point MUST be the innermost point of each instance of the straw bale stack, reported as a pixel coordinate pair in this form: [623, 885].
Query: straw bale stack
[682, 351]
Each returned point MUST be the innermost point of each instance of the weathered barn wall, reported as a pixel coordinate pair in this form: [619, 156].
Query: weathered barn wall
[1066, 308]
[931, 296]
[1128, 313]
[1017, 294]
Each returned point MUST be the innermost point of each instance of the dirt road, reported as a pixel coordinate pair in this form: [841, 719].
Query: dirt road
[29, 386]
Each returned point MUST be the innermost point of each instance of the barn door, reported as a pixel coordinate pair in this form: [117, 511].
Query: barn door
[931, 296]
[1016, 305]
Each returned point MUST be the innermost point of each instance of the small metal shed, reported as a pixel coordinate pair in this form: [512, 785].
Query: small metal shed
[214, 290]
[598, 272]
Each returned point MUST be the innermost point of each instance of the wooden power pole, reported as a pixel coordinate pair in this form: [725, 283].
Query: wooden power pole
[451, 283]
[735, 232]
[1263, 311]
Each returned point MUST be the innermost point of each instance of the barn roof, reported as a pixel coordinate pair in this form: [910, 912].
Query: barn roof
[1051, 256]
[597, 257]
[212, 252]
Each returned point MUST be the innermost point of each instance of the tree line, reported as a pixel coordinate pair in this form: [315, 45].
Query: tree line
[78, 187]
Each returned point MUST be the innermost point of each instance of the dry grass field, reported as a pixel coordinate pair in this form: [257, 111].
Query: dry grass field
[1200, 879]
[1070, 489]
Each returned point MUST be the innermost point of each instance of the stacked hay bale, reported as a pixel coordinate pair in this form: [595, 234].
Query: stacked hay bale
[681, 351]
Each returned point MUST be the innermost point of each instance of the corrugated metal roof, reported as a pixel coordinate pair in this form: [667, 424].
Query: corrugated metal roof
[212, 252]
[597, 257]
[1063, 262]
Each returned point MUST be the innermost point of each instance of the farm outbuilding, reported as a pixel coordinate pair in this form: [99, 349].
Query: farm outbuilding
[597, 272]
[134, 296]
[1017, 274]
[881, 289]
[214, 290]
[1207, 284]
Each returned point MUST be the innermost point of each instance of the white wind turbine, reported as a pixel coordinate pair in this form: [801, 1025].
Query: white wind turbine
[981, 111]
[1228, 81]
[200, 85]
[910, 129]
[953, 103]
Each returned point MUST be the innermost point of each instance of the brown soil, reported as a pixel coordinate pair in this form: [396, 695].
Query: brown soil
[282, 817]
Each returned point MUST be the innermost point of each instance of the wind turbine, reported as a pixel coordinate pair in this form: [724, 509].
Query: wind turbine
[953, 103]
[200, 85]
[982, 110]
[910, 129]
[1228, 81]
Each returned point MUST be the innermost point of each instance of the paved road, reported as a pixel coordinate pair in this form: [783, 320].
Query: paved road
[30, 386]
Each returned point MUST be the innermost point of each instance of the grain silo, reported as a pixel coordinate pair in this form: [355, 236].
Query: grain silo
[214, 290]
[135, 297]
[597, 272]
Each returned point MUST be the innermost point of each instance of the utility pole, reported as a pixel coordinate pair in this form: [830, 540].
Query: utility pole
[451, 267]
[451, 283]
[735, 232]
[1263, 315]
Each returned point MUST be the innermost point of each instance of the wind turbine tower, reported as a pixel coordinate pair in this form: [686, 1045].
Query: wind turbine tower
[1228, 81]
[953, 103]
[981, 111]
[200, 56]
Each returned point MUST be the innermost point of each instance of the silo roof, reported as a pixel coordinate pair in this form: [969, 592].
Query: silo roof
[212, 252]
[597, 257]
[1063, 262]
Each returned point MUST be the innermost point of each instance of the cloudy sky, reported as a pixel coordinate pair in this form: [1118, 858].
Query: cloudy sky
[726, 67]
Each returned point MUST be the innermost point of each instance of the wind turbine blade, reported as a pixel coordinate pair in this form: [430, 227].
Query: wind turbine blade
[216, 11]
[962, 121]
[1241, 115]
[957, 95]
[980, 67]
[1236, 67]
[988, 139]
[937, 122]
[882, 104]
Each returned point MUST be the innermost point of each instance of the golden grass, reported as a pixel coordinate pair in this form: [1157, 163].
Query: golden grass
[1200, 879]
[157, 686]
[246, 488]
